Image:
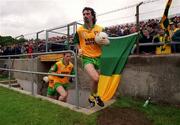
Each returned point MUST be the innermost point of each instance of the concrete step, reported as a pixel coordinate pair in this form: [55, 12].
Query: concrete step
[13, 83]
[16, 85]
[7, 81]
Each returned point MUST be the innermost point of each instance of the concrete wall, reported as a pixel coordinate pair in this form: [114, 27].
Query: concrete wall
[26, 79]
[143, 76]
[3, 64]
[155, 76]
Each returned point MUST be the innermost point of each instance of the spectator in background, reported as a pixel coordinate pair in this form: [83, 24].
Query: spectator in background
[17, 49]
[23, 49]
[177, 28]
[161, 37]
[30, 50]
[172, 29]
[12, 50]
[1, 50]
[7, 50]
[133, 29]
[171, 32]
[176, 37]
[146, 38]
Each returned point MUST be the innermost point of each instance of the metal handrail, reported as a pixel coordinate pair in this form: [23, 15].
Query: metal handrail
[38, 73]
[44, 53]
[159, 43]
[154, 44]
[42, 73]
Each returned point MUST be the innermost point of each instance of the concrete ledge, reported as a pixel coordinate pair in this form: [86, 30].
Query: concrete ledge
[7, 81]
[86, 111]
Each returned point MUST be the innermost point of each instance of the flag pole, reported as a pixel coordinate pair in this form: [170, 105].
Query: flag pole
[137, 26]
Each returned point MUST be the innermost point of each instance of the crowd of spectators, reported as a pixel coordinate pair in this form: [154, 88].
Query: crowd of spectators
[34, 46]
[150, 30]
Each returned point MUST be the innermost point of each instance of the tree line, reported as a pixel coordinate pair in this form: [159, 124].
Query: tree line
[9, 40]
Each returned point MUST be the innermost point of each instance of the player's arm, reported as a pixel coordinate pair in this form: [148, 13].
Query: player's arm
[76, 39]
[54, 68]
[76, 42]
[73, 72]
[71, 79]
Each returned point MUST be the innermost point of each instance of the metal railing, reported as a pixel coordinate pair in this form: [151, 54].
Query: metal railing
[9, 69]
[159, 43]
[156, 44]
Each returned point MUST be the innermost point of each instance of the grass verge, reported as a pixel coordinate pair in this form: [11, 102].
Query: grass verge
[159, 114]
[19, 109]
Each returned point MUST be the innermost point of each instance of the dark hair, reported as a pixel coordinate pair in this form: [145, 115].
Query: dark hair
[92, 12]
[66, 53]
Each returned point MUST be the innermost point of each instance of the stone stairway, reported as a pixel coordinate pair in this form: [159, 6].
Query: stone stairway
[13, 83]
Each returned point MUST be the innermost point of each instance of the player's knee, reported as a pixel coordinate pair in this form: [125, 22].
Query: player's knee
[64, 94]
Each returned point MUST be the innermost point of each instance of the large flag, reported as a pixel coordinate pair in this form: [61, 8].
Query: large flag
[113, 60]
[164, 23]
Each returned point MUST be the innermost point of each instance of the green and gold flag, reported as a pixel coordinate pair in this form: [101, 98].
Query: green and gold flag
[113, 60]
[164, 23]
